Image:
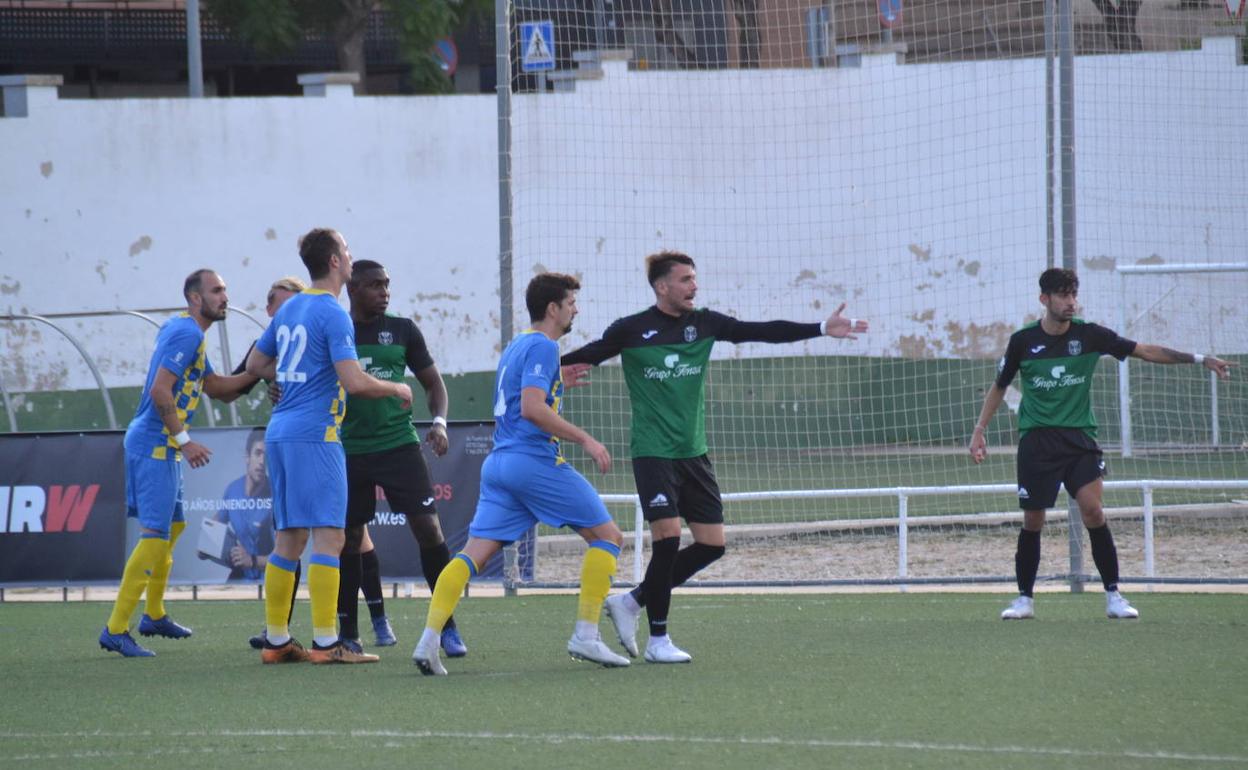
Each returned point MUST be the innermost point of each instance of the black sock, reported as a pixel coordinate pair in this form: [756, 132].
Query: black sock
[693, 559]
[370, 584]
[432, 561]
[689, 561]
[1105, 555]
[349, 569]
[298, 569]
[1027, 561]
[656, 589]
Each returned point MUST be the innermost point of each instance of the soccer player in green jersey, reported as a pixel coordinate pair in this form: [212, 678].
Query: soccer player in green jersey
[665, 351]
[1056, 357]
[383, 450]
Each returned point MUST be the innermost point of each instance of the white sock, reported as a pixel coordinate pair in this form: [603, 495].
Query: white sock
[325, 641]
[277, 640]
[586, 630]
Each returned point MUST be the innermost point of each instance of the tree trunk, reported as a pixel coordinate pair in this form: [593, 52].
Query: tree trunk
[349, 32]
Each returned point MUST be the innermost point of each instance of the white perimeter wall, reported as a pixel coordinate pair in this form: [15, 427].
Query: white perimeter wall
[109, 204]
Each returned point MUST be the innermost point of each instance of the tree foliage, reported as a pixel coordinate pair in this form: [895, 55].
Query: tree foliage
[276, 27]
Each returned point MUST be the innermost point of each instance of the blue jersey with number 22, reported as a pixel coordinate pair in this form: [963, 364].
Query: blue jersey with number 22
[309, 334]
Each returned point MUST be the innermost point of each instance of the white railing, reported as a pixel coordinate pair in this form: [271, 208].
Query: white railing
[903, 495]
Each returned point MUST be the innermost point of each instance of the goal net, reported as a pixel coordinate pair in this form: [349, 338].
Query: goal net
[892, 157]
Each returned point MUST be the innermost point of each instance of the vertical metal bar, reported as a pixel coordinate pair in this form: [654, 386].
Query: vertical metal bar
[8, 410]
[1050, 137]
[1149, 565]
[639, 537]
[903, 535]
[1124, 373]
[502, 67]
[1215, 433]
[227, 362]
[1066, 101]
[194, 57]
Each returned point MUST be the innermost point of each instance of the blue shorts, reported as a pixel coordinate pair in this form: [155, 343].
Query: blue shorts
[154, 492]
[519, 490]
[309, 480]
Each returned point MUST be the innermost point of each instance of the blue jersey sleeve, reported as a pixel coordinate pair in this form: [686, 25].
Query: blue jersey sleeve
[340, 337]
[181, 348]
[267, 344]
[540, 366]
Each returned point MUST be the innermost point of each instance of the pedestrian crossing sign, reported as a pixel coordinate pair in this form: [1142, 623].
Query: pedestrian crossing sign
[537, 46]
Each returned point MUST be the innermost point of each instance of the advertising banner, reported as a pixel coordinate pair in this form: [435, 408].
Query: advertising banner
[229, 509]
[62, 508]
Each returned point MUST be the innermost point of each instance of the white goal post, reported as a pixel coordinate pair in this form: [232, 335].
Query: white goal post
[1125, 325]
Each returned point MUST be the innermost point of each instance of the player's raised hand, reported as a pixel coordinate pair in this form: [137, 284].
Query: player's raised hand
[979, 446]
[437, 440]
[575, 375]
[1222, 368]
[845, 328]
[602, 458]
[196, 454]
[404, 393]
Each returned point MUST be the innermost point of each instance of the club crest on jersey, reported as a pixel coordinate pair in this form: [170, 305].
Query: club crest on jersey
[691, 333]
[385, 338]
[1074, 347]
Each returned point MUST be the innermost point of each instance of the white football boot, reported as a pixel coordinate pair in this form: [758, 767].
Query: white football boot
[427, 655]
[661, 650]
[1118, 608]
[1022, 608]
[595, 651]
[620, 609]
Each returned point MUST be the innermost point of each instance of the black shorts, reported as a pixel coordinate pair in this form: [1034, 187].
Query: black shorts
[685, 488]
[400, 472]
[1051, 457]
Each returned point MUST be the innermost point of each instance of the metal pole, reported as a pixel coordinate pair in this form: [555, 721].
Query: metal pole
[1215, 434]
[1124, 374]
[1066, 68]
[194, 57]
[8, 409]
[903, 512]
[502, 86]
[1050, 137]
[639, 532]
[1149, 566]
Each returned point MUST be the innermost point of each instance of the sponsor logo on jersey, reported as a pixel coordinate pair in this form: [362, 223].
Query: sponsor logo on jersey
[674, 369]
[537, 368]
[178, 358]
[1037, 348]
[691, 333]
[1001, 365]
[428, 501]
[1060, 379]
[1074, 347]
[659, 501]
[385, 338]
[1023, 494]
[648, 334]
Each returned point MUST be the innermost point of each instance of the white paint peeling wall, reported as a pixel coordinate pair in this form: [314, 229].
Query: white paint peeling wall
[915, 193]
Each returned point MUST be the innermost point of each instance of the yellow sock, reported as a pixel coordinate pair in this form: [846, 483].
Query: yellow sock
[448, 590]
[323, 580]
[155, 606]
[139, 567]
[596, 572]
[279, 587]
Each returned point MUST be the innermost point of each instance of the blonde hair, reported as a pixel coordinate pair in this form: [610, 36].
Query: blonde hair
[289, 283]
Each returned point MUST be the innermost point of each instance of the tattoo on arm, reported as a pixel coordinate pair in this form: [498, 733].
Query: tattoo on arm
[1174, 356]
[165, 409]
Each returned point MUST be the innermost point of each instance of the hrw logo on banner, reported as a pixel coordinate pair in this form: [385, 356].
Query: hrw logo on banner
[57, 509]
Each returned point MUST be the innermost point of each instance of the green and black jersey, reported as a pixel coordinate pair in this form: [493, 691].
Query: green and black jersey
[665, 359]
[386, 347]
[1057, 373]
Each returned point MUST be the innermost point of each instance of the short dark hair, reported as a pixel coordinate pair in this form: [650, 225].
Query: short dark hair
[1059, 280]
[194, 282]
[546, 288]
[660, 264]
[255, 436]
[363, 266]
[316, 248]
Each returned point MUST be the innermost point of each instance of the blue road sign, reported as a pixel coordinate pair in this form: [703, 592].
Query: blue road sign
[537, 46]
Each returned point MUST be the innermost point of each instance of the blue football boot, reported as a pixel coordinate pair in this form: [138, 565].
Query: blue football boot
[123, 643]
[165, 627]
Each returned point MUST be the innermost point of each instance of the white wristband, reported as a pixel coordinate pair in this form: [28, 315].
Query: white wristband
[439, 420]
[1198, 359]
[182, 439]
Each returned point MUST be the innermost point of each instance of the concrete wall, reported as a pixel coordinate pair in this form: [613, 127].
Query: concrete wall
[916, 193]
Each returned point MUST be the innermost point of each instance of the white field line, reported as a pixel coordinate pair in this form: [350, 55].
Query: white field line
[559, 738]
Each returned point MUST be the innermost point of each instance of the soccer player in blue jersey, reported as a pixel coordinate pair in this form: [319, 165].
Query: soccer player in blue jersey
[525, 479]
[309, 350]
[155, 443]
